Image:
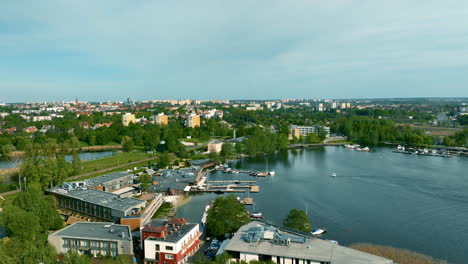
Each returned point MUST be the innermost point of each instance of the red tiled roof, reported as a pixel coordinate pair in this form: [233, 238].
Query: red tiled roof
[177, 221]
[155, 229]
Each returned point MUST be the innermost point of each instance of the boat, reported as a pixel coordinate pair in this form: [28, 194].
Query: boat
[262, 174]
[256, 215]
[351, 146]
[272, 173]
[365, 149]
[318, 231]
[333, 174]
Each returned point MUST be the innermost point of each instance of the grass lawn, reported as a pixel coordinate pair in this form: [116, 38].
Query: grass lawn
[111, 161]
[124, 168]
[437, 131]
[163, 210]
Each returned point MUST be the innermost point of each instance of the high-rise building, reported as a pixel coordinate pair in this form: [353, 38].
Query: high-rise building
[161, 119]
[128, 118]
[193, 120]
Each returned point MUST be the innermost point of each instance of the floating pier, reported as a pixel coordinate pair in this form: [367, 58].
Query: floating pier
[248, 200]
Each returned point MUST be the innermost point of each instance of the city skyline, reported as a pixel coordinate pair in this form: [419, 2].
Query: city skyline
[54, 51]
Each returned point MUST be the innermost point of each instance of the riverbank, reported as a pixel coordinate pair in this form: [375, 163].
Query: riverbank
[398, 255]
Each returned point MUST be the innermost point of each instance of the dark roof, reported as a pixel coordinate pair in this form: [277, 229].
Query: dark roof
[106, 199]
[96, 230]
[177, 221]
[107, 178]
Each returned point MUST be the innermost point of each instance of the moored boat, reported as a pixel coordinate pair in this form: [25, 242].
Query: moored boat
[318, 231]
[256, 215]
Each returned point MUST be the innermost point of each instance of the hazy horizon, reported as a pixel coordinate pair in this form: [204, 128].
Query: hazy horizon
[96, 51]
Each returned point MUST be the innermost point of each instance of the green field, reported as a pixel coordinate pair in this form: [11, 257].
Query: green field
[163, 210]
[112, 161]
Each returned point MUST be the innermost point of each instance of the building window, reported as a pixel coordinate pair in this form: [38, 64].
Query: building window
[157, 247]
[169, 256]
[169, 248]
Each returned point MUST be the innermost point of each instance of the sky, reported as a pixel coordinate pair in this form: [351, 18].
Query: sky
[218, 49]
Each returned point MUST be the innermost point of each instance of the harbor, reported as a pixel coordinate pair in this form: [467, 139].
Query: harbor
[425, 152]
[380, 177]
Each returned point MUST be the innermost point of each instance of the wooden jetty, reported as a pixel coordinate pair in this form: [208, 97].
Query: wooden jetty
[231, 181]
[248, 200]
[254, 188]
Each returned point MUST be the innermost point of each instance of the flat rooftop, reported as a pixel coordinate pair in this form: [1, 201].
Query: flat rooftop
[272, 240]
[96, 230]
[100, 180]
[106, 199]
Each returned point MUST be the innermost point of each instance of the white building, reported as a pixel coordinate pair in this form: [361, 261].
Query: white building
[170, 242]
[262, 242]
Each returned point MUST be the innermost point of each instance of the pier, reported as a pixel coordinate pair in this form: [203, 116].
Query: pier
[248, 200]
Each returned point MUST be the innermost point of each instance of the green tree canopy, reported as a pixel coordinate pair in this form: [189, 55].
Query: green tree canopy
[297, 219]
[226, 215]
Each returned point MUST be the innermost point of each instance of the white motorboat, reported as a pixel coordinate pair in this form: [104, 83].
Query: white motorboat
[318, 231]
[333, 174]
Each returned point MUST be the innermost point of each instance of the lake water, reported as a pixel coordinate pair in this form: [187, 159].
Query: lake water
[5, 164]
[414, 202]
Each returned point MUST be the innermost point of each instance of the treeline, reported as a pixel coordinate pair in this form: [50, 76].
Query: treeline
[460, 139]
[148, 136]
[27, 221]
[369, 131]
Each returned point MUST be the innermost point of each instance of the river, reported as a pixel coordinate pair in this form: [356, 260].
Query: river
[418, 203]
[6, 164]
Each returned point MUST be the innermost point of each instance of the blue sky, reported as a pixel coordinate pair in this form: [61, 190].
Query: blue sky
[159, 49]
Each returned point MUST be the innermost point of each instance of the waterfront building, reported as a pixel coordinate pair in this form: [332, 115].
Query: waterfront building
[298, 131]
[170, 241]
[161, 119]
[258, 241]
[88, 199]
[215, 146]
[106, 239]
[111, 182]
[193, 120]
[128, 118]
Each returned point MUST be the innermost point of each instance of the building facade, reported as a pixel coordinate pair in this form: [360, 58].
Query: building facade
[128, 118]
[215, 146]
[193, 121]
[106, 239]
[298, 131]
[170, 242]
[161, 119]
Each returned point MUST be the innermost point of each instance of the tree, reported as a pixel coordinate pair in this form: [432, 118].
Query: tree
[127, 143]
[21, 224]
[73, 257]
[297, 219]
[226, 215]
[76, 163]
[227, 150]
[7, 149]
[120, 259]
[144, 181]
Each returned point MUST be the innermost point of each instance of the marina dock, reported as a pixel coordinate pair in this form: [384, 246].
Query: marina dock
[248, 200]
